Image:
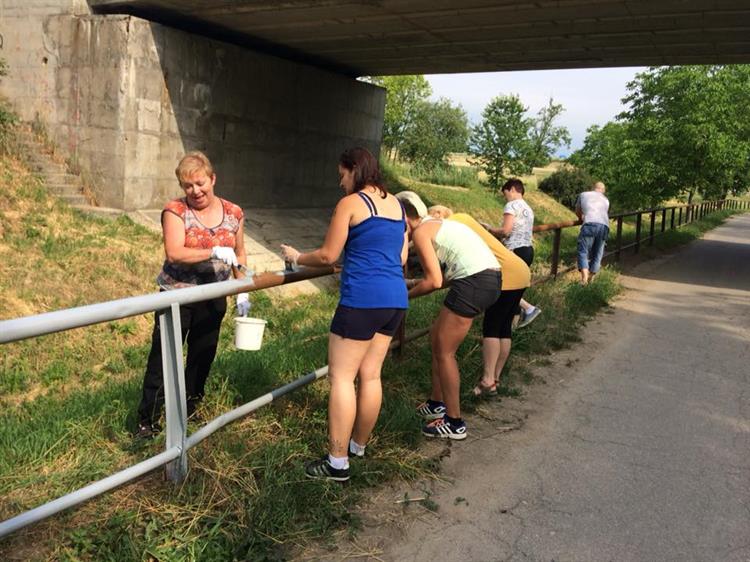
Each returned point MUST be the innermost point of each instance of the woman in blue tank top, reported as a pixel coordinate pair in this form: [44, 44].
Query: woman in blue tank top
[368, 225]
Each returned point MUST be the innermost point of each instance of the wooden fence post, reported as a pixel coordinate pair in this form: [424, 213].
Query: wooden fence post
[638, 232]
[651, 229]
[556, 251]
[619, 238]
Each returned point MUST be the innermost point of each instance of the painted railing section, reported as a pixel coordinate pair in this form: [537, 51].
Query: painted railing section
[167, 306]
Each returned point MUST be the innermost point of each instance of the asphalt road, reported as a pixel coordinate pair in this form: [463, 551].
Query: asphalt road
[641, 448]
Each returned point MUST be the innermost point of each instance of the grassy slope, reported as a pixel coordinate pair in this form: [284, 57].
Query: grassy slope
[484, 205]
[68, 401]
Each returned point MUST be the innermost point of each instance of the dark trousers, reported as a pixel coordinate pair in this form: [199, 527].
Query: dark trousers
[526, 253]
[201, 322]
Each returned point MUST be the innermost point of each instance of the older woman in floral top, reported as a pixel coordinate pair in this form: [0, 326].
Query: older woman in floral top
[203, 240]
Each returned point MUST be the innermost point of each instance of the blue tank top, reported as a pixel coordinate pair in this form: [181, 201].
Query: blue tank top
[373, 276]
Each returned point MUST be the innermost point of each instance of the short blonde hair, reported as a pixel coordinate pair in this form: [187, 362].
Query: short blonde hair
[192, 163]
[440, 212]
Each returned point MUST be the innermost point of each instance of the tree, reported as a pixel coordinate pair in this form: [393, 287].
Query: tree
[691, 124]
[501, 140]
[545, 137]
[404, 94]
[685, 132]
[436, 129]
[565, 185]
[610, 155]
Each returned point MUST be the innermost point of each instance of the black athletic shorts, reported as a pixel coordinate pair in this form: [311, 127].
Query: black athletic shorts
[472, 295]
[498, 318]
[364, 323]
[526, 253]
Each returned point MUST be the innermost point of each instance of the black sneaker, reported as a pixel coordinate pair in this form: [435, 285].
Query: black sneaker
[433, 411]
[322, 469]
[444, 429]
[352, 455]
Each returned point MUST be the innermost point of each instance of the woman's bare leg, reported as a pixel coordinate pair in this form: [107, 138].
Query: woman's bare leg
[344, 359]
[437, 389]
[370, 391]
[450, 330]
[495, 353]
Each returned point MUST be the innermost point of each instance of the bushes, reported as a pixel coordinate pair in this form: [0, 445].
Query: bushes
[565, 185]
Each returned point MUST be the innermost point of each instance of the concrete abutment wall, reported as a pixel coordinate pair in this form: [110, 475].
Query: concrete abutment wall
[125, 98]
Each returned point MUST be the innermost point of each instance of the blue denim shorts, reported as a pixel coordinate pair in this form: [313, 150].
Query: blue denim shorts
[591, 242]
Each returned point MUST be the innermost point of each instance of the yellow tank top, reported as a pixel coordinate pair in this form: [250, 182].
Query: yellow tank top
[516, 274]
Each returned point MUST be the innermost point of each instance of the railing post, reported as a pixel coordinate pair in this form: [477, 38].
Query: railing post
[174, 389]
[619, 238]
[671, 223]
[679, 222]
[663, 219]
[556, 251]
[651, 229]
[638, 232]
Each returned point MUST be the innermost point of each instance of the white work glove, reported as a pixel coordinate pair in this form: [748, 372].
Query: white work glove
[243, 304]
[224, 254]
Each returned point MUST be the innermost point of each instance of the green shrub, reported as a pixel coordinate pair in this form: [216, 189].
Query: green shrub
[565, 185]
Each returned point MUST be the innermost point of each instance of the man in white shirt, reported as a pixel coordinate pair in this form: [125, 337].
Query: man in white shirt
[592, 207]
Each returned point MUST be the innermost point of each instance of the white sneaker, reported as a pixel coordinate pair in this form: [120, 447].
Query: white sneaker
[527, 319]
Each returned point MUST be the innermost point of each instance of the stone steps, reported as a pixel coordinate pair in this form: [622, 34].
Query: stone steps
[59, 181]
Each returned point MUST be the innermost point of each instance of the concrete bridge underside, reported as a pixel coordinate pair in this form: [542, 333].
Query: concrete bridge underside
[266, 88]
[377, 37]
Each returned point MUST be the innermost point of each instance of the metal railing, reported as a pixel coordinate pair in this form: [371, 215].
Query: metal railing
[677, 219]
[167, 305]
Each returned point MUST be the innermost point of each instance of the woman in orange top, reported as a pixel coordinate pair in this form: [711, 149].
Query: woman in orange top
[203, 240]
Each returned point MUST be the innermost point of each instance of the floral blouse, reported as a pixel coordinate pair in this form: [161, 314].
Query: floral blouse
[197, 235]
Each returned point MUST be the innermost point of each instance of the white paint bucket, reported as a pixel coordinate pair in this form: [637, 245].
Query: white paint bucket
[248, 333]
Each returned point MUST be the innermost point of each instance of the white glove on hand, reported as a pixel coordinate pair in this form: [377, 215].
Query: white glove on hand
[243, 304]
[224, 254]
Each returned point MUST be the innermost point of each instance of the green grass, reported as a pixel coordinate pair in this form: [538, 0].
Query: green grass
[446, 175]
[68, 400]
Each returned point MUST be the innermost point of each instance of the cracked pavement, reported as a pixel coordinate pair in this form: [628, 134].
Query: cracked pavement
[638, 446]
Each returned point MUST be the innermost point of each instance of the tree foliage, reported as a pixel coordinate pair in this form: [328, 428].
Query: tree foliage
[686, 131]
[403, 99]
[501, 141]
[437, 129]
[610, 155]
[565, 185]
[545, 137]
[509, 142]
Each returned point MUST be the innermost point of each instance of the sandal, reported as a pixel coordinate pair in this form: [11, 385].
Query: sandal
[484, 389]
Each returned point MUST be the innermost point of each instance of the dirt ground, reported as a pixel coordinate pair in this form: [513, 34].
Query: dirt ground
[632, 445]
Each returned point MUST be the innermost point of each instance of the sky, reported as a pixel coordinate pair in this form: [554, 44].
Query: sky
[589, 96]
